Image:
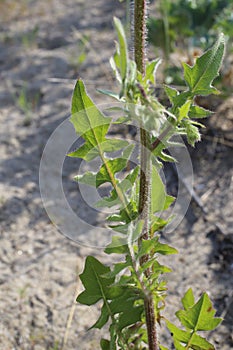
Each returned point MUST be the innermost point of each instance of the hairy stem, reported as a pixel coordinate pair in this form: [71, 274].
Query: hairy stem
[140, 9]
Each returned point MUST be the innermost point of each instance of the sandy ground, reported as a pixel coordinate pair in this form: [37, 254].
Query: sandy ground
[42, 46]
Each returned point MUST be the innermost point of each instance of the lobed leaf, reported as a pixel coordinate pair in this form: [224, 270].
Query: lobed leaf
[96, 287]
[199, 317]
[88, 122]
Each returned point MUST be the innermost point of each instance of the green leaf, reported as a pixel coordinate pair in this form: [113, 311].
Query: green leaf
[188, 299]
[163, 347]
[199, 317]
[197, 112]
[200, 77]
[118, 267]
[96, 287]
[193, 134]
[110, 94]
[130, 316]
[153, 245]
[164, 249]
[86, 151]
[112, 145]
[86, 117]
[88, 178]
[178, 334]
[178, 346]
[103, 319]
[157, 224]
[117, 246]
[151, 69]
[184, 110]
[135, 231]
[123, 50]
[166, 157]
[200, 343]
[158, 193]
[88, 122]
[172, 93]
[105, 344]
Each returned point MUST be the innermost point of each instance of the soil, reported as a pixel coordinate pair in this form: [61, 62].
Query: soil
[44, 46]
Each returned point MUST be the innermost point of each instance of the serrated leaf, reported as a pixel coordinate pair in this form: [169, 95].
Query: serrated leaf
[200, 76]
[96, 287]
[113, 166]
[199, 317]
[86, 117]
[88, 122]
[188, 299]
[110, 167]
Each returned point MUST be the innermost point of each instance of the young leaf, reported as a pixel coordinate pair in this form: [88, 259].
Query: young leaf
[172, 93]
[197, 112]
[199, 317]
[200, 77]
[184, 110]
[123, 50]
[151, 69]
[188, 299]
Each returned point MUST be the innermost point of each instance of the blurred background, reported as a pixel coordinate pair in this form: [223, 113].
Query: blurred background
[44, 47]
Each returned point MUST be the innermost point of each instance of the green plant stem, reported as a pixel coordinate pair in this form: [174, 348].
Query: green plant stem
[140, 8]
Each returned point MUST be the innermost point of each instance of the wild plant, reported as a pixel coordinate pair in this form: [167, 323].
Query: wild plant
[133, 291]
